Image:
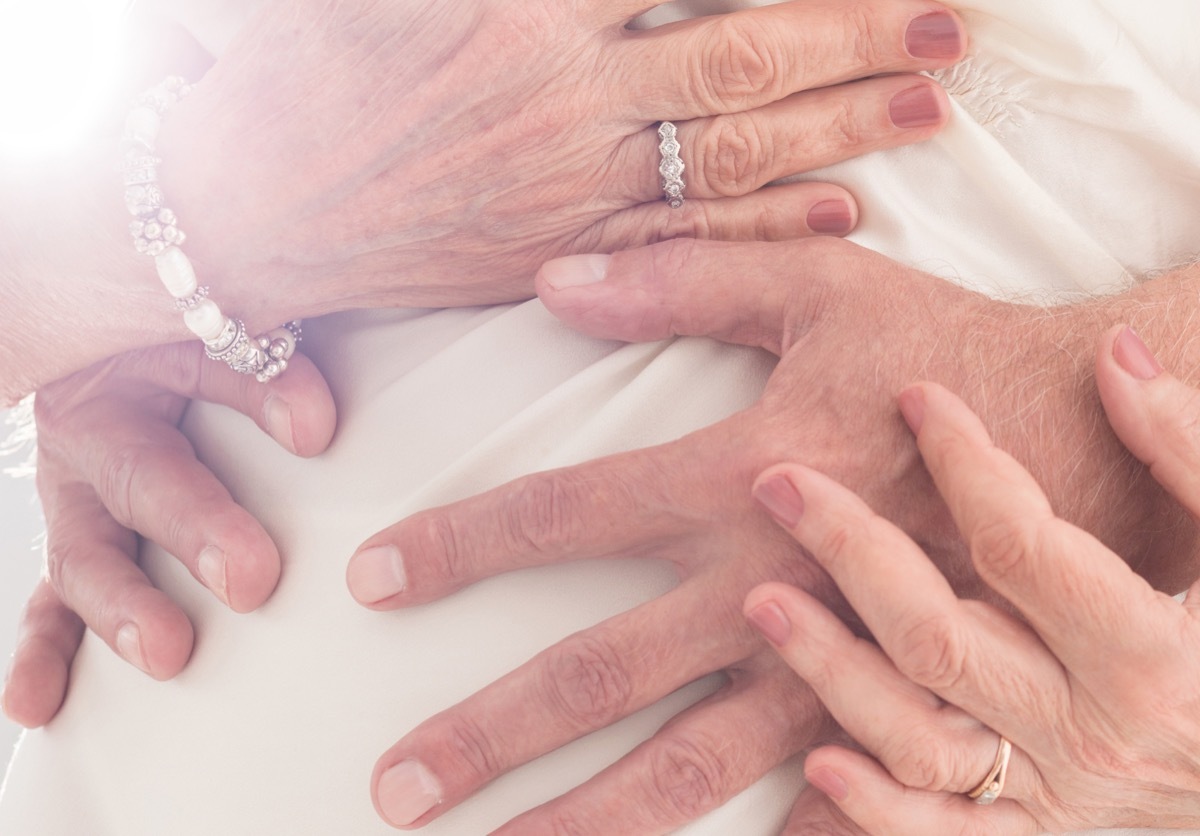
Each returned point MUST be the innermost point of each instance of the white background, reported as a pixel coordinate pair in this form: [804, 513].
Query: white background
[20, 565]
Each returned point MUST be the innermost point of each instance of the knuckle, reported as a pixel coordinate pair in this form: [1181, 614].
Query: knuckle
[472, 749]
[1001, 547]
[740, 65]
[924, 765]
[845, 131]
[689, 777]
[694, 221]
[863, 34]
[567, 823]
[440, 543]
[733, 152]
[932, 652]
[544, 514]
[116, 481]
[587, 682]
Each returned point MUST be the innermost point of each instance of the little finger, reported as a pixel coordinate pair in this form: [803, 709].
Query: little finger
[815, 812]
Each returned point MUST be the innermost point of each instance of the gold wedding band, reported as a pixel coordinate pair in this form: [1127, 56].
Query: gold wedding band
[991, 786]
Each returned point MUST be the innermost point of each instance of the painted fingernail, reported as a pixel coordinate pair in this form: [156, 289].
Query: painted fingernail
[575, 270]
[915, 107]
[779, 496]
[279, 421]
[1134, 357]
[830, 217]
[375, 574]
[770, 620]
[830, 783]
[935, 35]
[211, 566]
[408, 791]
[129, 645]
[912, 407]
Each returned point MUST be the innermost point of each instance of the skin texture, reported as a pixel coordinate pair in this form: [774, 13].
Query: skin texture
[1095, 689]
[370, 153]
[689, 502]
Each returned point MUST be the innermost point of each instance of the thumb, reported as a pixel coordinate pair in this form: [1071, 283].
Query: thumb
[756, 294]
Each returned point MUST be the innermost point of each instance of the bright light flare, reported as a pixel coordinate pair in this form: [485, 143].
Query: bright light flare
[59, 61]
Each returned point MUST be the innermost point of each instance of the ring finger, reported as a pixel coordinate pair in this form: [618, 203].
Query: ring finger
[735, 154]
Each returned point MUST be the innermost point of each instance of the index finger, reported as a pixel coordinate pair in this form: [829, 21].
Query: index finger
[733, 62]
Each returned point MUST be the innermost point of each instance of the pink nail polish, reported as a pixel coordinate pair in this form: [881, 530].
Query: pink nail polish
[1134, 357]
[912, 407]
[376, 574]
[770, 620]
[830, 217]
[780, 497]
[830, 783]
[408, 791]
[916, 107]
[934, 36]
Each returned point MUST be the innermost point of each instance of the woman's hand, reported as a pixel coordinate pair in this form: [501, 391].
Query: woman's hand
[112, 464]
[435, 153]
[1098, 693]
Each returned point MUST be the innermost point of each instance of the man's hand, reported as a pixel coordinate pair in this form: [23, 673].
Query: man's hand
[112, 464]
[852, 328]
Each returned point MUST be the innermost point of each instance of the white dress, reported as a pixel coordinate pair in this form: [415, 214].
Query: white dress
[1072, 165]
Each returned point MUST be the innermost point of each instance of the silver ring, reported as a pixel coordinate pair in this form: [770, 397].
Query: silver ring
[671, 168]
[989, 788]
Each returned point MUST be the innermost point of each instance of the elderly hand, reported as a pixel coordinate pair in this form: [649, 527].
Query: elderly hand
[112, 464]
[436, 153]
[1097, 693]
[829, 403]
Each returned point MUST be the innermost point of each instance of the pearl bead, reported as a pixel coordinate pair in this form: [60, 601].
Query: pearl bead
[142, 124]
[175, 271]
[205, 320]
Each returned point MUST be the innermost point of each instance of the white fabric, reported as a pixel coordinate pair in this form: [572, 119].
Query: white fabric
[1072, 164]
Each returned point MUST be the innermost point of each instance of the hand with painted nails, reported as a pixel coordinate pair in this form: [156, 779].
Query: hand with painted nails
[830, 404]
[1081, 715]
[112, 465]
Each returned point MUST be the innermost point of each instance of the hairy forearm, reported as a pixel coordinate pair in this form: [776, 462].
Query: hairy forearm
[1051, 411]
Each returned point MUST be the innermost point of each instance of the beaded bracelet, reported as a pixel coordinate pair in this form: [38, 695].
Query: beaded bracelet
[156, 233]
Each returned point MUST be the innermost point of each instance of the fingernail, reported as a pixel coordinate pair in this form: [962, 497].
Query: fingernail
[575, 270]
[408, 791]
[279, 421]
[830, 783]
[830, 217]
[211, 567]
[915, 107]
[375, 574]
[770, 620]
[1134, 357]
[779, 496]
[934, 35]
[912, 407]
[129, 645]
